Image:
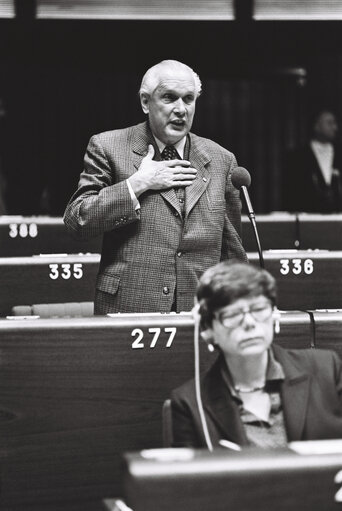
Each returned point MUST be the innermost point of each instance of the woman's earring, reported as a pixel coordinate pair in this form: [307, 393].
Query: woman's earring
[207, 337]
[276, 317]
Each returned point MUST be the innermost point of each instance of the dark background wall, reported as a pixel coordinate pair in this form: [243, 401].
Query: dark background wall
[63, 81]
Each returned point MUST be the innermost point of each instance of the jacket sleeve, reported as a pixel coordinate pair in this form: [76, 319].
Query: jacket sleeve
[184, 430]
[100, 203]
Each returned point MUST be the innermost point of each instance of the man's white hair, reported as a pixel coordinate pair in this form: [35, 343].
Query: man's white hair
[151, 78]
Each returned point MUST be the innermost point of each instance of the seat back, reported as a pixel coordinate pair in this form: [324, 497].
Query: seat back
[55, 310]
[167, 423]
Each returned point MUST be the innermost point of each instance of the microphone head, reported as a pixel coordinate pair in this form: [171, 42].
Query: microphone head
[240, 177]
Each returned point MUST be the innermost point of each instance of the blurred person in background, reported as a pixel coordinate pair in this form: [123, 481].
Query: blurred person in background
[313, 173]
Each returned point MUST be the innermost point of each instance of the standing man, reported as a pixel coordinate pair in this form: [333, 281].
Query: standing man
[313, 179]
[161, 196]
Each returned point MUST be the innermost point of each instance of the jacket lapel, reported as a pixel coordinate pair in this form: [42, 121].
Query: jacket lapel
[171, 197]
[221, 407]
[142, 137]
[294, 394]
[199, 158]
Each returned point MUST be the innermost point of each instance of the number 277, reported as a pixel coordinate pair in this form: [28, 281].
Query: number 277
[139, 334]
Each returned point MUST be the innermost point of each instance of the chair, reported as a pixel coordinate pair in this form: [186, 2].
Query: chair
[167, 423]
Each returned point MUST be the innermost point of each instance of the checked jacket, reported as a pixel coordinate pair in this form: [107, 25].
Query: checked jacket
[153, 253]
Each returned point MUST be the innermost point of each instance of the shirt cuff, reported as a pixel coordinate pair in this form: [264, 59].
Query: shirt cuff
[136, 203]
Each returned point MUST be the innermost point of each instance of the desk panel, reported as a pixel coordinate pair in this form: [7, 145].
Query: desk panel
[76, 393]
[276, 231]
[254, 479]
[42, 279]
[320, 231]
[305, 279]
[283, 230]
[328, 330]
[26, 236]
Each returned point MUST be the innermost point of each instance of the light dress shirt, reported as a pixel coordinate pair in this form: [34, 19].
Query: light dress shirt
[325, 156]
[261, 412]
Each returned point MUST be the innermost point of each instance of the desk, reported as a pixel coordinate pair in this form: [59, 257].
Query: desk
[76, 393]
[43, 279]
[328, 330]
[276, 231]
[26, 236]
[225, 480]
[306, 279]
[320, 231]
[283, 230]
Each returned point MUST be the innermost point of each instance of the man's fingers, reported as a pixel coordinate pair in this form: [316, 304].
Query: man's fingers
[175, 163]
[179, 184]
[184, 170]
[184, 176]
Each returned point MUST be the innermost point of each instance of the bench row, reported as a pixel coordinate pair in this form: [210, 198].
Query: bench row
[77, 393]
[24, 236]
[306, 279]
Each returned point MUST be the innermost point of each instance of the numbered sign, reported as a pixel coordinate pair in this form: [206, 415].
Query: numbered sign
[66, 271]
[296, 266]
[23, 230]
[150, 340]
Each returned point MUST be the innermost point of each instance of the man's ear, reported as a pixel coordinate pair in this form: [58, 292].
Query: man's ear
[144, 100]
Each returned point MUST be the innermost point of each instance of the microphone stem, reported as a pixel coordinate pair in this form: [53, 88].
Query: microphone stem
[251, 216]
[255, 230]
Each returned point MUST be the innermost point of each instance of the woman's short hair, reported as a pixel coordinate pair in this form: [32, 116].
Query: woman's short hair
[151, 78]
[228, 281]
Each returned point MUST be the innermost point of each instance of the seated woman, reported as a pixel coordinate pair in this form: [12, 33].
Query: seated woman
[255, 393]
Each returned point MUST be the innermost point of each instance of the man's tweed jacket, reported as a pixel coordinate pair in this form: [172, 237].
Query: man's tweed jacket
[311, 396]
[150, 254]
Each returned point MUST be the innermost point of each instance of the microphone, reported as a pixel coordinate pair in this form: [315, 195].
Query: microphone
[241, 179]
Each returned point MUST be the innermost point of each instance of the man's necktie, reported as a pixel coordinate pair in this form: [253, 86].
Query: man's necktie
[169, 153]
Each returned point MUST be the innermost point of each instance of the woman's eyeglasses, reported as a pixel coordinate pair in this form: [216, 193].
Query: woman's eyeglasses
[260, 312]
